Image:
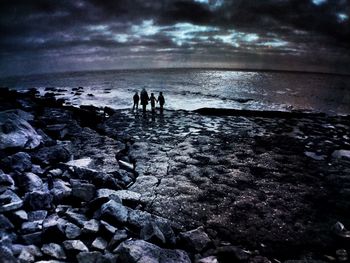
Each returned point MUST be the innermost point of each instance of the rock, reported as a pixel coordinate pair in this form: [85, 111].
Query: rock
[119, 236]
[56, 172]
[108, 230]
[342, 255]
[72, 231]
[229, 253]
[75, 246]
[38, 215]
[60, 190]
[91, 227]
[18, 217]
[315, 156]
[138, 218]
[32, 238]
[210, 259]
[37, 169]
[26, 256]
[127, 196]
[54, 228]
[5, 224]
[132, 251]
[341, 154]
[99, 244]
[57, 131]
[53, 250]
[114, 212]
[6, 182]
[31, 227]
[9, 201]
[151, 232]
[46, 140]
[52, 154]
[37, 200]
[196, 240]
[90, 257]
[76, 218]
[17, 132]
[30, 182]
[19, 162]
[83, 191]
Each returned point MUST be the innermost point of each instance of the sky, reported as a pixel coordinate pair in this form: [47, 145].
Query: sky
[38, 36]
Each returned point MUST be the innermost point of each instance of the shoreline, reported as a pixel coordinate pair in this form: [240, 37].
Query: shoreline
[164, 159]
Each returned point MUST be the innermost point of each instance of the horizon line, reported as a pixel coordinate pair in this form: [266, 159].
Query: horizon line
[183, 68]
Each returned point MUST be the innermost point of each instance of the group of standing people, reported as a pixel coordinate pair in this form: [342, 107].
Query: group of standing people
[145, 99]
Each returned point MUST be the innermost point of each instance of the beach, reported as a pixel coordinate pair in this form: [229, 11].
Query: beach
[182, 186]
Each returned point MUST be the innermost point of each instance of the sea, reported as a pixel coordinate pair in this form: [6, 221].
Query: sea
[190, 89]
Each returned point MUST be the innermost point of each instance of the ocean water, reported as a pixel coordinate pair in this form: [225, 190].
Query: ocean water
[191, 89]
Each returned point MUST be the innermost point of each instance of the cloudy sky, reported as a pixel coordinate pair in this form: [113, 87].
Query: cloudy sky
[49, 35]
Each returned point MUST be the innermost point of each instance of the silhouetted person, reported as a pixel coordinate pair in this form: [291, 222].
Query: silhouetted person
[144, 99]
[153, 102]
[136, 101]
[161, 101]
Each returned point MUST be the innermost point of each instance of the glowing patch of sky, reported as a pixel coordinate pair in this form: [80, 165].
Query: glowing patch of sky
[147, 28]
[342, 17]
[121, 38]
[181, 33]
[319, 2]
[274, 43]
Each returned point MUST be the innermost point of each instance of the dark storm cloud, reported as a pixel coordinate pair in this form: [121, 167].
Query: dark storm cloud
[99, 29]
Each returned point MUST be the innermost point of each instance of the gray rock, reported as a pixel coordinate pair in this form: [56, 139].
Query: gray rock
[32, 238]
[38, 215]
[53, 228]
[99, 243]
[72, 231]
[196, 240]
[6, 182]
[57, 131]
[114, 212]
[52, 154]
[53, 250]
[107, 228]
[26, 256]
[138, 219]
[5, 224]
[56, 172]
[91, 227]
[83, 191]
[341, 154]
[210, 259]
[75, 245]
[19, 216]
[37, 169]
[19, 162]
[132, 251]
[9, 201]
[90, 257]
[38, 200]
[75, 217]
[119, 236]
[31, 227]
[60, 190]
[30, 182]
[127, 196]
[17, 132]
[232, 252]
[151, 232]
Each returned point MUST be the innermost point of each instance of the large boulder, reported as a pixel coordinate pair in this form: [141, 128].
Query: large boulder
[132, 251]
[30, 182]
[53, 250]
[15, 132]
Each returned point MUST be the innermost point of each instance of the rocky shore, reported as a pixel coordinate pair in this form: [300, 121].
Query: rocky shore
[102, 185]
